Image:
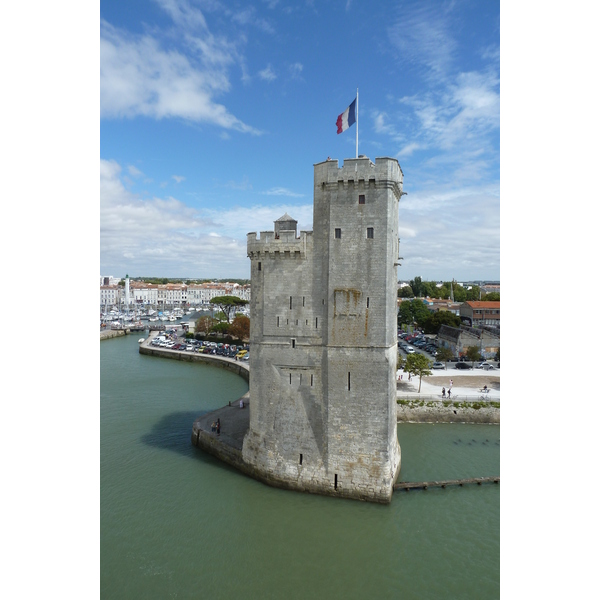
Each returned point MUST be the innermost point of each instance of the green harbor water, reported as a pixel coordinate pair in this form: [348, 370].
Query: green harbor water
[177, 523]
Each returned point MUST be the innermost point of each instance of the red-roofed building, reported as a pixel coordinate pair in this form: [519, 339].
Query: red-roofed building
[481, 313]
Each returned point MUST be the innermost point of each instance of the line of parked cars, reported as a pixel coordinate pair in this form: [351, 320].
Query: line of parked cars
[202, 347]
[409, 341]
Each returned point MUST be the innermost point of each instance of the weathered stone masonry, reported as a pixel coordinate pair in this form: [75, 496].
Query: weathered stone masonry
[323, 338]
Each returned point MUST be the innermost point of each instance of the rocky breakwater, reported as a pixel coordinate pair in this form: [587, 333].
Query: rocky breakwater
[422, 411]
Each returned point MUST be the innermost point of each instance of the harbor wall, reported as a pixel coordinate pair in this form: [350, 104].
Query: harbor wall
[113, 333]
[236, 367]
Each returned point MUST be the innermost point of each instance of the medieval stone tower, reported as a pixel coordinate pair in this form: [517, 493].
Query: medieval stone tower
[323, 345]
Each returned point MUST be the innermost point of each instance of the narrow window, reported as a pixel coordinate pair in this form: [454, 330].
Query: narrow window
[317, 323]
[367, 302]
[259, 266]
[369, 233]
[335, 482]
[290, 302]
[338, 233]
[348, 380]
[302, 300]
[293, 343]
[296, 321]
[361, 199]
[277, 321]
[306, 322]
[290, 379]
[301, 459]
[311, 380]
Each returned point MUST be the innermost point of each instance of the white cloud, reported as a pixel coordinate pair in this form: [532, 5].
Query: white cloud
[178, 178]
[164, 237]
[138, 77]
[267, 74]
[134, 172]
[280, 191]
[422, 34]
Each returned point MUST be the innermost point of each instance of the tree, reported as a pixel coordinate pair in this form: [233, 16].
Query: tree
[400, 362]
[473, 353]
[460, 294]
[415, 284]
[228, 304]
[491, 297]
[418, 364]
[204, 324]
[405, 314]
[473, 293]
[442, 317]
[406, 292]
[444, 354]
[240, 327]
[221, 328]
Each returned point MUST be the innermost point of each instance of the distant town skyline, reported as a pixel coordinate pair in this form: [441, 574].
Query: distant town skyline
[212, 118]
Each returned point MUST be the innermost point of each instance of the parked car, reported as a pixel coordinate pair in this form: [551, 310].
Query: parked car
[410, 350]
[486, 366]
[462, 365]
[438, 365]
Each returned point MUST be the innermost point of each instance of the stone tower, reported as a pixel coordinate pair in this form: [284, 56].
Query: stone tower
[323, 338]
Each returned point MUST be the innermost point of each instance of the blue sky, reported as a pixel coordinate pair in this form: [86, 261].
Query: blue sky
[213, 114]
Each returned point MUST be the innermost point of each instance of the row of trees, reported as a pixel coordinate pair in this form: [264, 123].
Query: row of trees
[419, 289]
[415, 311]
[226, 321]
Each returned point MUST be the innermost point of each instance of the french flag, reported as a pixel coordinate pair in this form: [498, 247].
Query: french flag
[347, 118]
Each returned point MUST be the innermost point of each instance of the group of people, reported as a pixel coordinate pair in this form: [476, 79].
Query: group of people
[449, 390]
[216, 426]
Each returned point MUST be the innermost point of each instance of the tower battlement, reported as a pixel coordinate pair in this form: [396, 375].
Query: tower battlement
[272, 242]
[361, 172]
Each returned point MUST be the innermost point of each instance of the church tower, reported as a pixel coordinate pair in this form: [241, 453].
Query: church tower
[323, 345]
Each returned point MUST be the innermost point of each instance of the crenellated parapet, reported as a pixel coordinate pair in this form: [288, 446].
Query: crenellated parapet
[384, 173]
[277, 244]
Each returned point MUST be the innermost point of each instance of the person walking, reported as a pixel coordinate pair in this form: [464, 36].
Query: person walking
[443, 392]
[448, 393]
[218, 426]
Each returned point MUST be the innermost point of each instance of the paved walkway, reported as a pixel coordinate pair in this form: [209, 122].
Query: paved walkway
[235, 422]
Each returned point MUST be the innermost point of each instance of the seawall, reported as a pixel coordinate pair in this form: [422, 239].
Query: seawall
[430, 413]
[237, 367]
[113, 333]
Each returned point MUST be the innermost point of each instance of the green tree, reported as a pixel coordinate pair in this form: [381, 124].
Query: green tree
[221, 328]
[405, 314]
[428, 288]
[421, 314]
[460, 294]
[473, 293]
[415, 284]
[400, 362]
[473, 353]
[418, 364]
[228, 304]
[491, 297]
[406, 292]
[439, 318]
[444, 354]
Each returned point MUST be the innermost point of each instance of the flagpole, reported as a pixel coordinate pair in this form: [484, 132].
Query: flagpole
[356, 122]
